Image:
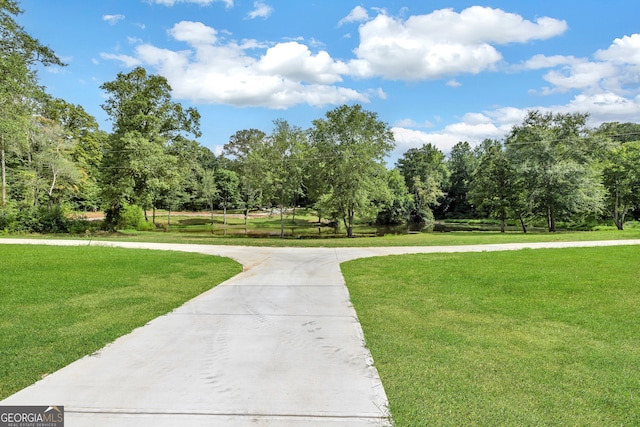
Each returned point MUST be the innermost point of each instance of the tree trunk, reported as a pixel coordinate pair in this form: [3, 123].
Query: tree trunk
[346, 225]
[350, 224]
[224, 214]
[293, 218]
[4, 173]
[552, 221]
[281, 222]
[616, 213]
[524, 227]
[169, 217]
[52, 186]
[153, 215]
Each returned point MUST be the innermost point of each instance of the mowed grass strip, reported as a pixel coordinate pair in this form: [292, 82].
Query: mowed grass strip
[58, 304]
[418, 239]
[547, 337]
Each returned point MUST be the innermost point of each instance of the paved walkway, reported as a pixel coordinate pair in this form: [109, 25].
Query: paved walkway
[277, 345]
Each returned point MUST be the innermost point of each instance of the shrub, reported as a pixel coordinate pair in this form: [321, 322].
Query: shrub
[144, 225]
[53, 220]
[131, 216]
[26, 219]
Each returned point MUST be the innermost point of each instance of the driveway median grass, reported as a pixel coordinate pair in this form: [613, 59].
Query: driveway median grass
[534, 337]
[58, 304]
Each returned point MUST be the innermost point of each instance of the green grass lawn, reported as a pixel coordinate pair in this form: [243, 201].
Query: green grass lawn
[197, 234]
[58, 304]
[527, 338]
[264, 229]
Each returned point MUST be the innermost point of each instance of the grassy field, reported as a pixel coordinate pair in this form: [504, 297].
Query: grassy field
[418, 239]
[525, 338]
[305, 232]
[58, 304]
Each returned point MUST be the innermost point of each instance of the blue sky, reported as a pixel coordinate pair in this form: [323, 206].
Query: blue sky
[435, 71]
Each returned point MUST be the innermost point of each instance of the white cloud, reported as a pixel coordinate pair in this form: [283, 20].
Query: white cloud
[625, 50]
[444, 42]
[260, 10]
[295, 61]
[113, 19]
[216, 70]
[605, 107]
[409, 138]
[357, 14]
[228, 3]
[538, 62]
[472, 127]
[193, 33]
[454, 83]
[615, 70]
[127, 60]
[581, 76]
[497, 123]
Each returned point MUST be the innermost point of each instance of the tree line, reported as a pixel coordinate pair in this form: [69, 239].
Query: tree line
[55, 160]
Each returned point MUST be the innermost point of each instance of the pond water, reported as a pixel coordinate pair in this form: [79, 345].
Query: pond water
[326, 232]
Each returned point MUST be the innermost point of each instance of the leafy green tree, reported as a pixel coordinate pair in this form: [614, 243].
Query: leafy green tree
[227, 183]
[54, 163]
[283, 156]
[620, 169]
[316, 188]
[244, 146]
[192, 160]
[426, 195]
[15, 40]
[352, 143]
[18, 86]
[145, 123]
[495, 184]
[398, 207]
[18, 83]
[461, 163]
[621, 178]
[555, 156]
[209, 189]
[425, 172]
[167, 187]
[88, 142]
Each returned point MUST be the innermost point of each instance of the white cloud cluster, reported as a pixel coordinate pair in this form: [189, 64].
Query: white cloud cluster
[113, 19]
[607, 86]
[260, 10]
[444, 42]
[215, 70]
[358, 14]
[615, 70]
[473, 128]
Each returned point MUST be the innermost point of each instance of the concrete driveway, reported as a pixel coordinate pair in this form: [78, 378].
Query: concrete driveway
[277, 345]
